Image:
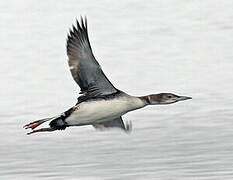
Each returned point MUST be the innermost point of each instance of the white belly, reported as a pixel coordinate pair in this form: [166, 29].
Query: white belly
[98, 111]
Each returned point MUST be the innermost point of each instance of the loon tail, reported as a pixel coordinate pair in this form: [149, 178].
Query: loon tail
[56, 123]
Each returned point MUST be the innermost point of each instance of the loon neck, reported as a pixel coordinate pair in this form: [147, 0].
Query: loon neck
[145, 99]
[138, 102]
[148, 101]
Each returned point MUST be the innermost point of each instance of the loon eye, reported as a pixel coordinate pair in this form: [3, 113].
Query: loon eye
[169, 96]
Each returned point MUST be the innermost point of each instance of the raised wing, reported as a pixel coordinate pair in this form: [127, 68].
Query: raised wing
[84, 68]
[115, 123]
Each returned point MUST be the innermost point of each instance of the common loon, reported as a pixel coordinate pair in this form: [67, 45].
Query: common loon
[101, 104]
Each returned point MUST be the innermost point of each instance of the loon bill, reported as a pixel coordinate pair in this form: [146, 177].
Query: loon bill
[101, 104]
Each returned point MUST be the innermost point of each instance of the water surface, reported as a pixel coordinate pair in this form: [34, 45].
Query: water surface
[178, 46]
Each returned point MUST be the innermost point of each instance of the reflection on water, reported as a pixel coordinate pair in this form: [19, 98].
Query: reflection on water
[184, 47]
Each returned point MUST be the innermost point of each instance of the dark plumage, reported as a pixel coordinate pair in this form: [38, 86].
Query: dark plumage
[85, 70]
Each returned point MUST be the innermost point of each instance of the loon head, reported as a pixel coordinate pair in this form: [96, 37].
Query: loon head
[165, 98]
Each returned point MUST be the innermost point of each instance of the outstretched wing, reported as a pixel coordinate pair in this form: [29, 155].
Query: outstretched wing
[84, 68]
[115, 123]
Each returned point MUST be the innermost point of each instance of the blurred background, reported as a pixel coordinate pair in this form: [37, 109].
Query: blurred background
[177, 46]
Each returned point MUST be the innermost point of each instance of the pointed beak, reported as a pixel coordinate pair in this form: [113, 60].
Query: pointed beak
[182, 98]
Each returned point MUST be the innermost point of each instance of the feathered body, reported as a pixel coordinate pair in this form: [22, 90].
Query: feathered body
[100, 110]
[101, 104]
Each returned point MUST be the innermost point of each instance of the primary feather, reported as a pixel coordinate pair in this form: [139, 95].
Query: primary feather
[84, 68]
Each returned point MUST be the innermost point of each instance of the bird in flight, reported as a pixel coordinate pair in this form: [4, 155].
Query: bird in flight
[100, 104]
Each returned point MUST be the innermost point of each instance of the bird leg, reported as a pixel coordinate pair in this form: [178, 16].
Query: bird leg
[41, 130]
[34, 124]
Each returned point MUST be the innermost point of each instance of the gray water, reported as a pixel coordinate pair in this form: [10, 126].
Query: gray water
[178, 46]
